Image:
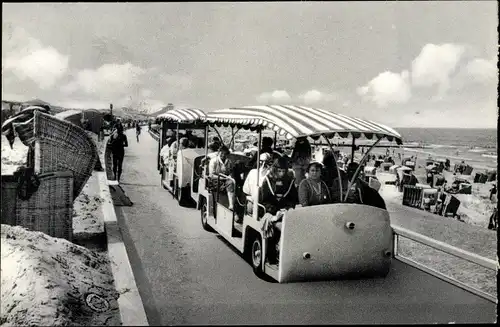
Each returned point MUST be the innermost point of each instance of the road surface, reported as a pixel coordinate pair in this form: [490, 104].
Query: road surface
[189, 276]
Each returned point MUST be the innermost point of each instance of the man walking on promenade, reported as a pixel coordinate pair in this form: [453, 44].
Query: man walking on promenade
[118, 141]
[137, 131]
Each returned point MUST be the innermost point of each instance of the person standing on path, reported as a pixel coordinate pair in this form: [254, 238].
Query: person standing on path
[118, 141]
[137, 131]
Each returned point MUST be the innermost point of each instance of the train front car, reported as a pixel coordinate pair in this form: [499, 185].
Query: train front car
[330, 241]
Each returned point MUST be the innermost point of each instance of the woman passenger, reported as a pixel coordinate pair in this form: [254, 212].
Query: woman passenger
[312, 190]
[301, 157]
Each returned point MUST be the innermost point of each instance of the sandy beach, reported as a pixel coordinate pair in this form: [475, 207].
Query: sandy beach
[60, 276]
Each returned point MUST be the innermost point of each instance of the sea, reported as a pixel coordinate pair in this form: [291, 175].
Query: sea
[477, 146]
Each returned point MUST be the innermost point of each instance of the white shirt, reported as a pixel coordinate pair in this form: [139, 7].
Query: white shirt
[250, 186]
[214, 161]
[165, 152]
[173, 148]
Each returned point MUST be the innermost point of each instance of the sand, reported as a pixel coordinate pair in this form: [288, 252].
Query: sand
[13, 158]
[475, 208]
[56, 275]
[48, 281]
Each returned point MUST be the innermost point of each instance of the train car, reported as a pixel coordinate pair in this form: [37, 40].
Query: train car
[177, 171]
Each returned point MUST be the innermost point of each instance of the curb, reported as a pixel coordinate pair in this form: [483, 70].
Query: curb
[132, 311]
[154, 135]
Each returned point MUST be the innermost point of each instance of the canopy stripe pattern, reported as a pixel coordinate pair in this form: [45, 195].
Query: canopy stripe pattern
[299, 121]
[182, 115]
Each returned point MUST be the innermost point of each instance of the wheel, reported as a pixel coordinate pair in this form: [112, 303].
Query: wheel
[256, 255]
[204, 215]
[184, 196]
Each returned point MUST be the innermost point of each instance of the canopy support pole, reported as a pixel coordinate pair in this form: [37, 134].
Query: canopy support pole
[256, 200]
[352, 148]
[361, 163]
[275, 139]
[206, 140]
[231, 143]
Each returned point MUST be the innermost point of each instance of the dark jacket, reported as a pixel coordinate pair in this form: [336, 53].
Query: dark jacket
[364, 194]
[277, 194]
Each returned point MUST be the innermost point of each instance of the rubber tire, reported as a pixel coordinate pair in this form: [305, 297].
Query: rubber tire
[184, 197]
[204, 214]
[257, 267]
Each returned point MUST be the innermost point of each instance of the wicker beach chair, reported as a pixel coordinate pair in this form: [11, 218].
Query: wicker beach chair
[59, 146]
[50, 208]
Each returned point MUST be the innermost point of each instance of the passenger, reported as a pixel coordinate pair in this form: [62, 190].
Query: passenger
[301, 157]
[215, 142]
[361, 192]
[330, 176]
[193, 139]
[172, 138]
[222, 165]
[250, 186]
[278, 189]
[213, 150]
[164, 154]
[278, 194]
[267, 147]
[312, 190]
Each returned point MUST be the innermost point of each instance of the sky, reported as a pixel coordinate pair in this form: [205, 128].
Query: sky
[404, 64]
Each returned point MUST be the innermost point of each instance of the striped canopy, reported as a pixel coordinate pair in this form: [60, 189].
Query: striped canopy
[298, 121]
[182, 115]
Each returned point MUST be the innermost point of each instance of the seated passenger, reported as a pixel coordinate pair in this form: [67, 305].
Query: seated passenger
[176, 146]
[301, 157]
[267, 147]
[250, 187]
[213, 150]
[171, 139]
[278, 189]
[221, 164]
[330, 175]
[361, 192]
[312, 190]
[164, 154]
[278, 194]
[215, 142]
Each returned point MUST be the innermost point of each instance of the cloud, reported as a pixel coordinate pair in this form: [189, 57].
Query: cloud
[275, 97]
[435, 64]
[27, 58]
[438, 71]
[178, 82]
[110, 81]
[315, 96]
[387, 88]
[146, 93]
[482, 70]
